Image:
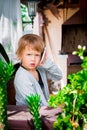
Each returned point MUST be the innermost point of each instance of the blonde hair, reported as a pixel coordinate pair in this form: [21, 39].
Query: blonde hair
[32, 40]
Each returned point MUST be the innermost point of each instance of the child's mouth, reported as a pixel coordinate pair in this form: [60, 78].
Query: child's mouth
[32, 64]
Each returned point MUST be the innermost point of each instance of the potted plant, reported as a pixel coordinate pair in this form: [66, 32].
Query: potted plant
[6, 71]
[73, 99]
[34, 107]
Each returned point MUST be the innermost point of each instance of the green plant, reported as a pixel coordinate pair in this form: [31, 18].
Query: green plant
[34, 105]
[6, 71]
[4, 54]
[24, 16]
[73, 98]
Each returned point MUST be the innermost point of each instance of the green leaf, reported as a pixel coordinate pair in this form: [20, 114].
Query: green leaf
[73, 99]
[33, 106]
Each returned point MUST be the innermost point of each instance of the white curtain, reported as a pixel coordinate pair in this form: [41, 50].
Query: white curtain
[10, 25]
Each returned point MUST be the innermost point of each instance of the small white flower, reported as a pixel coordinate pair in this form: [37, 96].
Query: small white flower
[74, 52]
[84, 47]
[79, 47]
[81, 57]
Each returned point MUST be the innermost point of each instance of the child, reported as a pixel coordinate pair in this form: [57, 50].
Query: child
[32, 75]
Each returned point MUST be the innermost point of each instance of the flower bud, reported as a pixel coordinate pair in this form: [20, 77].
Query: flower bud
[79, 47]
[74, 52]
[81, 57]
[84, 47]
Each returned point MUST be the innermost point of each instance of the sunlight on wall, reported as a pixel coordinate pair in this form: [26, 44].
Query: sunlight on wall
[55, 32]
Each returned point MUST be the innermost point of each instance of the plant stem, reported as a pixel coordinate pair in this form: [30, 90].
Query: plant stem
[74, 103]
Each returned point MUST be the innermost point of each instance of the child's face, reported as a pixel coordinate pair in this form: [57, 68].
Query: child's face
[30, 58]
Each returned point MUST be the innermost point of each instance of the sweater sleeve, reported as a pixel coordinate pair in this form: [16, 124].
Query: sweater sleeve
[52, 70]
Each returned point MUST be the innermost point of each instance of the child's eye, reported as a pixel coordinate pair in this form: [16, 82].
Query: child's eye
[28, 54]
[37, 55]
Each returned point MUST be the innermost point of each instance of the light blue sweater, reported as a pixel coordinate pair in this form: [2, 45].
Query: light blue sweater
[25, 84]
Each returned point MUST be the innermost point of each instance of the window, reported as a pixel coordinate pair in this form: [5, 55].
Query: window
[26, 21]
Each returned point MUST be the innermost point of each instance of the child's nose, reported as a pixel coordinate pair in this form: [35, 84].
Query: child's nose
[33, 57]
